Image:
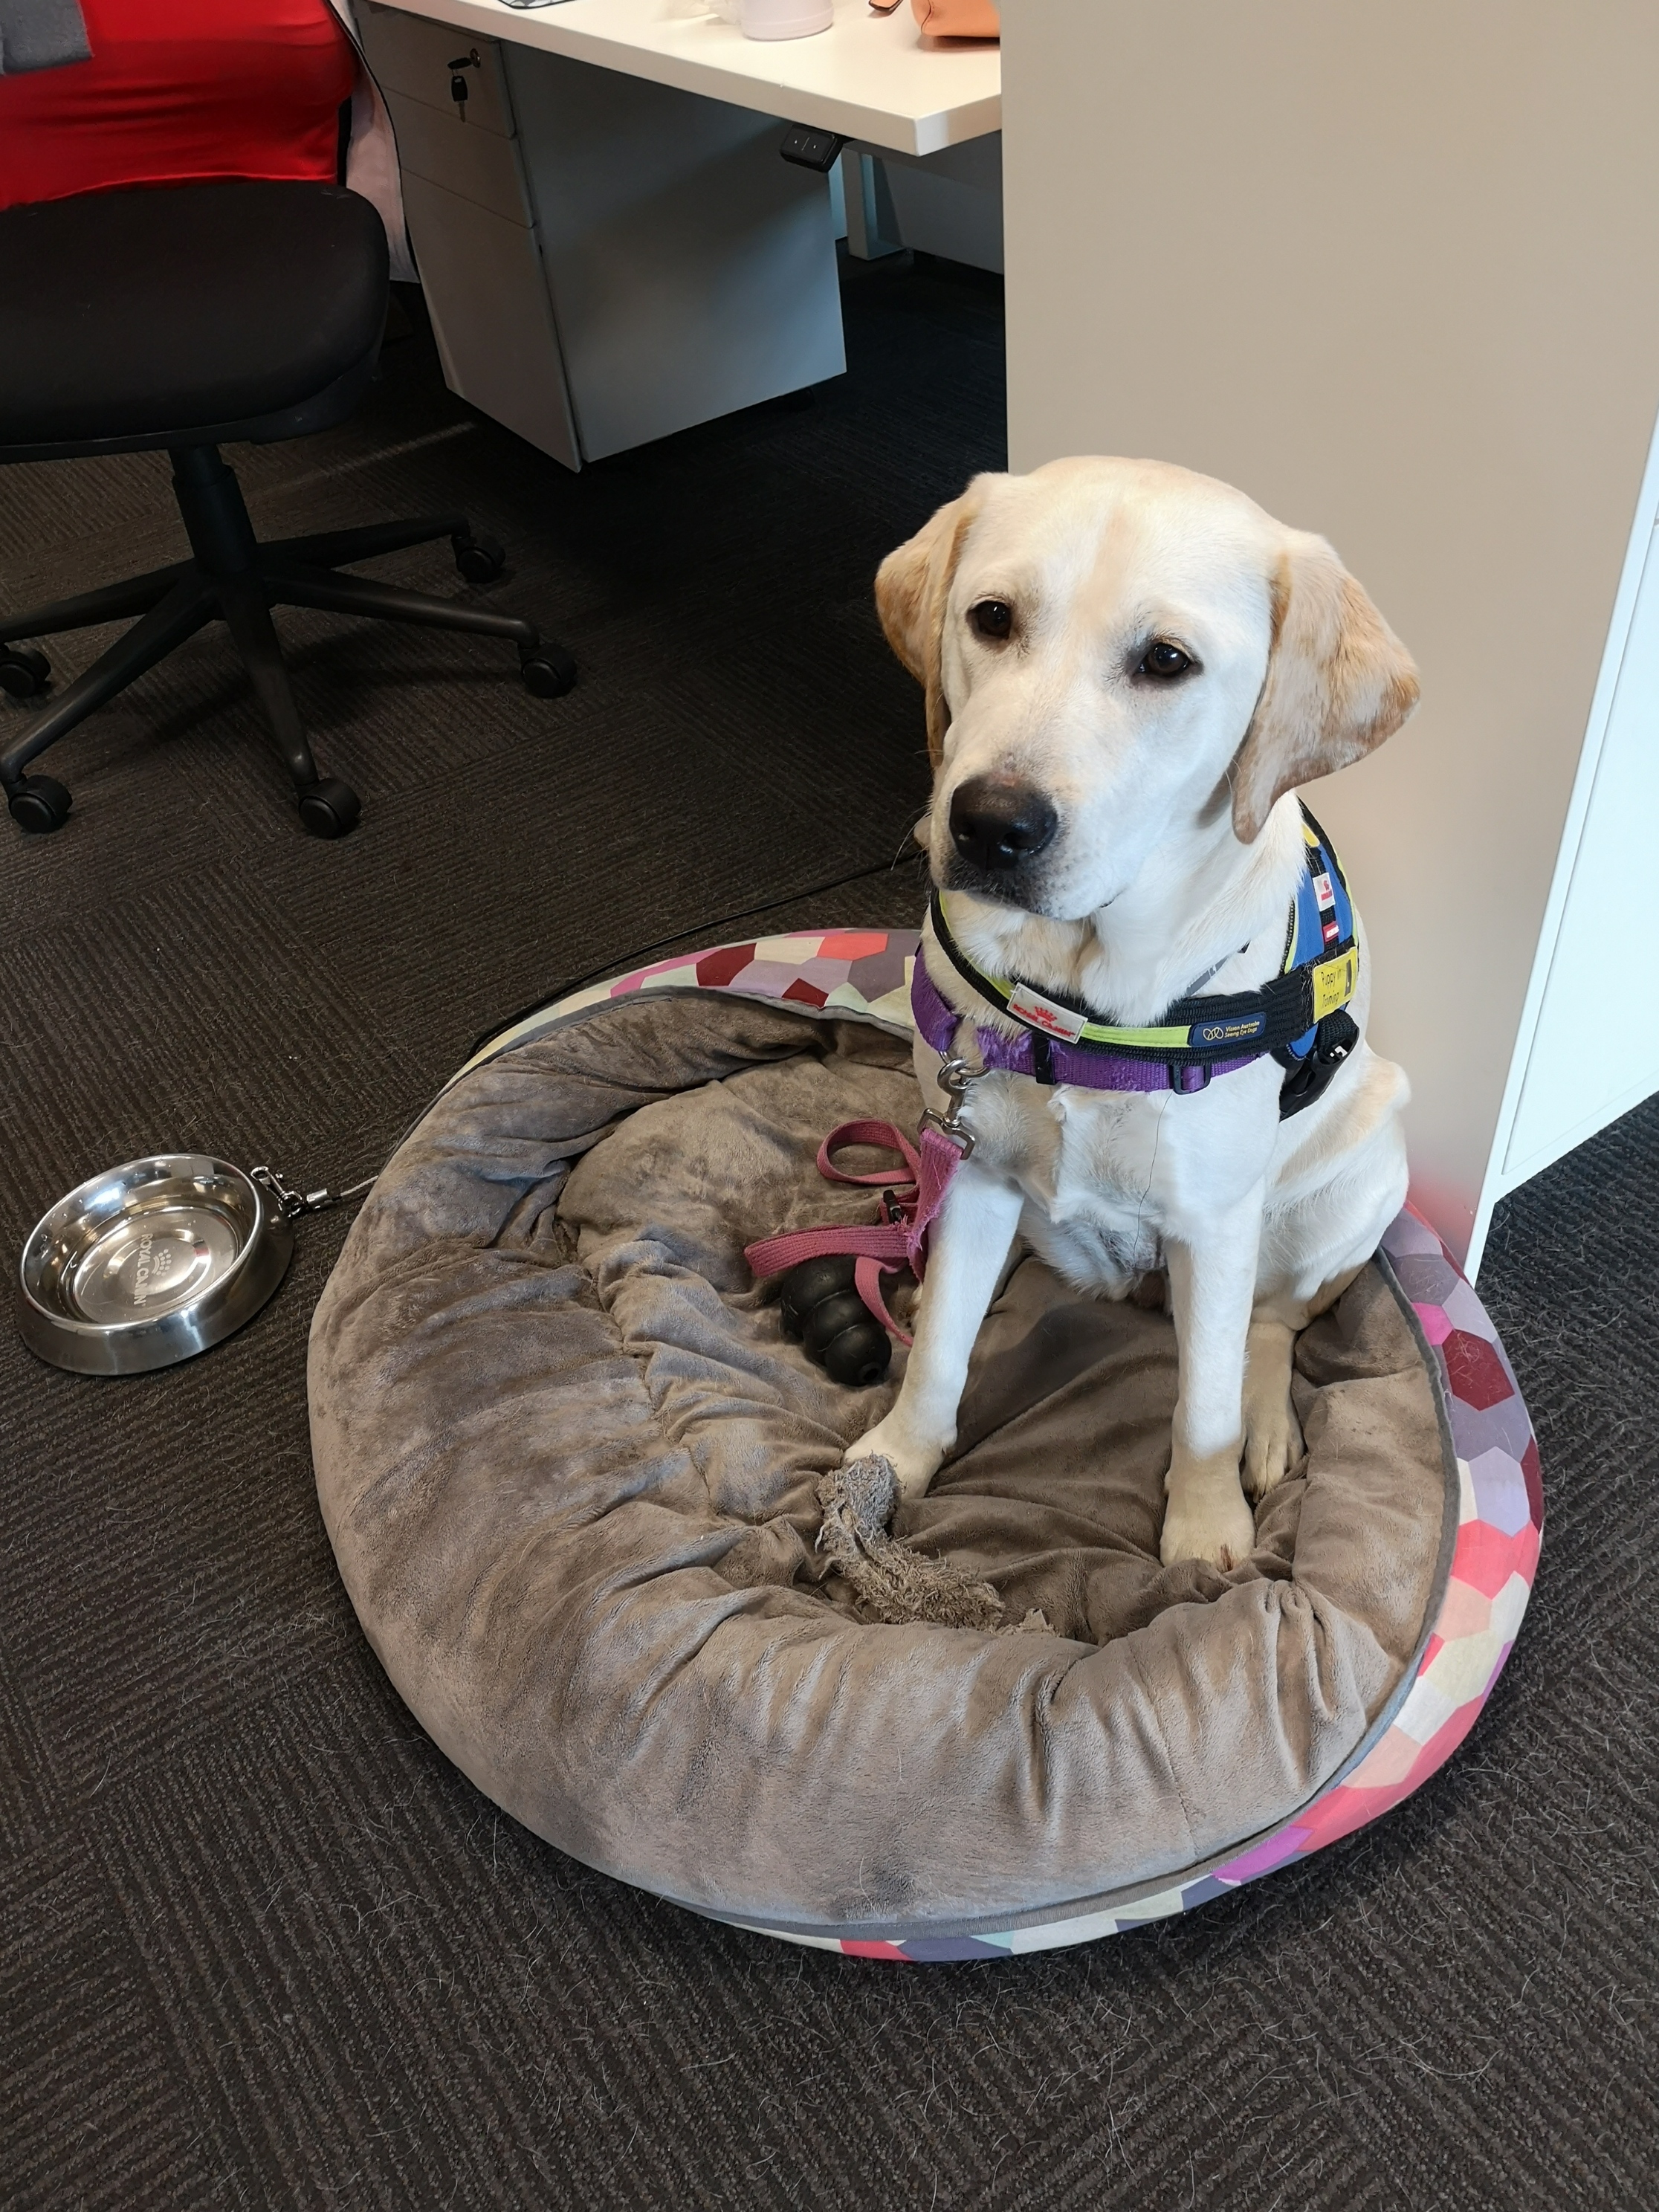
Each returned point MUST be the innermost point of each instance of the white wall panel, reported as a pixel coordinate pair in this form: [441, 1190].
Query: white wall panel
[1396, 273]
[1595, 1051]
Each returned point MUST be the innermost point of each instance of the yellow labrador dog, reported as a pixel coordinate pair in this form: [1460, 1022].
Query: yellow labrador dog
[1128, 669]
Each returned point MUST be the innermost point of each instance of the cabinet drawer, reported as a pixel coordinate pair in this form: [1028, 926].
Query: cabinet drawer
[479, 165]
[411, 56]
[487, 295]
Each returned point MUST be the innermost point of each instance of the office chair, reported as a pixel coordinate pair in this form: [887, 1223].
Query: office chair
[177, 316]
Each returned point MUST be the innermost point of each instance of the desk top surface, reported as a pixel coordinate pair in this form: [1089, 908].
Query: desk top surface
[870, 77]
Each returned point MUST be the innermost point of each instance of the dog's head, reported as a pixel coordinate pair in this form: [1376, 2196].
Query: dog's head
[1112, 650]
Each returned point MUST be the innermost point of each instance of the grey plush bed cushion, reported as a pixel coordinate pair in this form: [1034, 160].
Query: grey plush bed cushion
[567, 1463]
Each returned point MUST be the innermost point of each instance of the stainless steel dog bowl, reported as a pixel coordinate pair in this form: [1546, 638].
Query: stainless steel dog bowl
[150, 1263]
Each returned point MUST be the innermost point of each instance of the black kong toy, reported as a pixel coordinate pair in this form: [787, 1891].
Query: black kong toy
[822, 1310]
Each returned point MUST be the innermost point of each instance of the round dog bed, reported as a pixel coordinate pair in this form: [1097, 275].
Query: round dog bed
[569, 1462]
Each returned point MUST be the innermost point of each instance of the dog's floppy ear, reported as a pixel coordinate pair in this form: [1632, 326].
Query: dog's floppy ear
[912, 586]
[1338, 681]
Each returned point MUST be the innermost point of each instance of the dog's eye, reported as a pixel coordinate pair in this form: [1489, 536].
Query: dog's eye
[992, 617]
[1163, 658]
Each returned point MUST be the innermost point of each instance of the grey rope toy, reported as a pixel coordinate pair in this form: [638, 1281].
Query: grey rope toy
[891, 1583]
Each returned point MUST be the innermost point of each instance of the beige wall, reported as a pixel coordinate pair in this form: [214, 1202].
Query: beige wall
[1394, 269]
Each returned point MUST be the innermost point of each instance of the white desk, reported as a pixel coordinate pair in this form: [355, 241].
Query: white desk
[612, 247]
[870, 77]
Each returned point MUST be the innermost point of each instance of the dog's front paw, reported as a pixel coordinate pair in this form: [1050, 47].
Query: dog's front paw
[1273, 1435]
[1272, 1440]
[914, 1463]
[1207, 1518]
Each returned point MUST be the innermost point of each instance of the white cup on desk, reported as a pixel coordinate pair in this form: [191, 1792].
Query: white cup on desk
[786, 19]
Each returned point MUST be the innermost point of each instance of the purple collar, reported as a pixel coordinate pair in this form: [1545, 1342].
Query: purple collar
[1050, 1059]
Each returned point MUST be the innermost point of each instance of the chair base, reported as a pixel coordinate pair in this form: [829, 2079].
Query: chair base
[234, 579]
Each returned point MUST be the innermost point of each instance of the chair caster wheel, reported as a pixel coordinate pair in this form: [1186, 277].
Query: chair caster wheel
[329, 808]
[38, 804]
[480, 560]
[548, 672]
[24, 672]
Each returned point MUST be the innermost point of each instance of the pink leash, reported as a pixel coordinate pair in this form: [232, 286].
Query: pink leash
[899, 1241]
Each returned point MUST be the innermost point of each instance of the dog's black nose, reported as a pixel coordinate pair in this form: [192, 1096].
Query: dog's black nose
[995, 824]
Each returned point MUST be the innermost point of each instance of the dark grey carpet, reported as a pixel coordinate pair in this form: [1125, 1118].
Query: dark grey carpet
[262, 1947]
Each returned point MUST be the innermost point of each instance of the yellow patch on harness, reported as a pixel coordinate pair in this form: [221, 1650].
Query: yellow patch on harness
[1333, 983]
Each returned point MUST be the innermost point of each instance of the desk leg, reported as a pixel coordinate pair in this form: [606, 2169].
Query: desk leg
[872, 228]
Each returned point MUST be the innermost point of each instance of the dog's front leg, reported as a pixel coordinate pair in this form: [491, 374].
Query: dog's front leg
[1212, 1291]
[966, 1248]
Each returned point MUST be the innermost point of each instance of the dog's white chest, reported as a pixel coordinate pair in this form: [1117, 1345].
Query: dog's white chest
[1088, 1166]
[1109, 1174]
[1104, 1163]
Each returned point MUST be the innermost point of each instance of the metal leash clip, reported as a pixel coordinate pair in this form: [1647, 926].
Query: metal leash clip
[291, 1204]
[955, 1075]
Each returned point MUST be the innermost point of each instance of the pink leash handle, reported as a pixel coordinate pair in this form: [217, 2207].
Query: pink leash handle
[879, 1248]
[880, 1134]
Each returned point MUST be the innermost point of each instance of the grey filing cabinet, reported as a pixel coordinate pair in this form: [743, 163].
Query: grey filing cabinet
[606, 260]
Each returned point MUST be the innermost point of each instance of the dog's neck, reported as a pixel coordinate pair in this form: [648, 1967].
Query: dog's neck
[1201, 899]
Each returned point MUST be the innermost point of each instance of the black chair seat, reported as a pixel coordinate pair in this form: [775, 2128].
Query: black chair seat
[181, 316]
[183, 313]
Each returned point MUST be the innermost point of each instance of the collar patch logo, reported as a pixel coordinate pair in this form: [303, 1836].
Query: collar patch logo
[1043, 1014]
